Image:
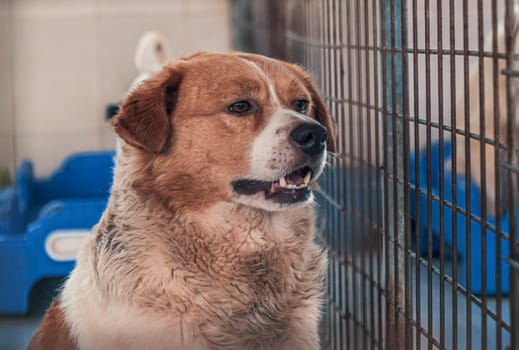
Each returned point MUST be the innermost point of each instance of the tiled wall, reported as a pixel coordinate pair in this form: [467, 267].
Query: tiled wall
[71, 58]
[6, 107]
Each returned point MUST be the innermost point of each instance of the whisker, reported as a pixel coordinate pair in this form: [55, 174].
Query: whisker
[334, 154]
[328, 198]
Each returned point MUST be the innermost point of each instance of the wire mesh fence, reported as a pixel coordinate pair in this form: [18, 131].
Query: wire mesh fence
[418, 209]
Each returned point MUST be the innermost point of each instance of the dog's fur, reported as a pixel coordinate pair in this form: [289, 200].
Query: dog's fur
[490, 117]
[179, 260]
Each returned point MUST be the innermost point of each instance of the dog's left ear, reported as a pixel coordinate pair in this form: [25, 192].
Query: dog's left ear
[144, 119]
[319, 108]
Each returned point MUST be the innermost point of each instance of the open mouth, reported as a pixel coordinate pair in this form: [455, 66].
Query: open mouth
[290, 188]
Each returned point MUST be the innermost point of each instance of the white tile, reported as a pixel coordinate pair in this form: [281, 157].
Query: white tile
[6, 110]
[197, 7]
[54, 75]
[138, 7]
[7, 153]
[52, 9]
[207, 32]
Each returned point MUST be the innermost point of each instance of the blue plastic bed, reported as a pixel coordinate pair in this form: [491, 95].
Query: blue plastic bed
[43, 221]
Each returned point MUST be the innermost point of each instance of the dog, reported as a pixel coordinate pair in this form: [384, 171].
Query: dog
[493, 193]
[151, 54]
[207, 241]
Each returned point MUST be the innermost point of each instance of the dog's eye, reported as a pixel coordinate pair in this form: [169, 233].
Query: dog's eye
[301, 106]
[241, 108]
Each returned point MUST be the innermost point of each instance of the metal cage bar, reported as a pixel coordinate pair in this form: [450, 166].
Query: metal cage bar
[418, 209]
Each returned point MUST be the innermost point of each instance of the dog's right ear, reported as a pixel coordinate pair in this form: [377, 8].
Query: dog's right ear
[144, 119]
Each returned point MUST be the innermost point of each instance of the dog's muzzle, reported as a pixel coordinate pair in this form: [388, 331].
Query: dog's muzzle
[310, 138]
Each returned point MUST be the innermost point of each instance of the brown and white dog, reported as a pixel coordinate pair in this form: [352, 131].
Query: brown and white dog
[207, 241]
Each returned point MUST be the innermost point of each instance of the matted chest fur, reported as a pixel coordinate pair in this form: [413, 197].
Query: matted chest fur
[207, 241]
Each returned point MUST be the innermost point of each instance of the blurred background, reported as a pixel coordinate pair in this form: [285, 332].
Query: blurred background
[63, 61]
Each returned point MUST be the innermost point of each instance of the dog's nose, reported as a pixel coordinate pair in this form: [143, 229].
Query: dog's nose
[310, 137]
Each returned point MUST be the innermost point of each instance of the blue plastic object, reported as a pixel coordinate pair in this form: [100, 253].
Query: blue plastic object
[468, 236]
[73, 198]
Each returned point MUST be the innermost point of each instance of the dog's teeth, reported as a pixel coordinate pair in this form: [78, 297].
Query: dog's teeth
[283, 182]
[290, 186]
[307, 178]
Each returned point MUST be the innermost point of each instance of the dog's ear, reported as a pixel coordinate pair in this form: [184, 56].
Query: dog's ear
[318, 106]
[144, 119]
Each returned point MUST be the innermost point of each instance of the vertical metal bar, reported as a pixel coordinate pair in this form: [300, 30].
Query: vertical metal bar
[394, 150]
[343, 251]
[333, 184]
[483, 171]
[417, 176]
[497, 172]
[467, 141]
[405, 141]
[331, 214]
[336, 217]
[349, 207]
[394, 136]
[454, 252]
[512, 177]
[361, 177]
[377, 44]
[340, 261]
[384, 8]
[439, 25]
[429, 171]
[370, 166]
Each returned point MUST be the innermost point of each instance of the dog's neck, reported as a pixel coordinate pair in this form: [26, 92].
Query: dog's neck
[223, 223]
[227, 241]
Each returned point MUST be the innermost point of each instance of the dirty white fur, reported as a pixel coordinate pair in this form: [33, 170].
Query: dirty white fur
[106, 322]
[149, 295]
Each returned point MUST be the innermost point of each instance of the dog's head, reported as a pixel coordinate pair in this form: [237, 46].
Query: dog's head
[227, 127]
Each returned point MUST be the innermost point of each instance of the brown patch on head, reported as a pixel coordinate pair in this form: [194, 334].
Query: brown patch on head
[296, 83]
